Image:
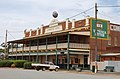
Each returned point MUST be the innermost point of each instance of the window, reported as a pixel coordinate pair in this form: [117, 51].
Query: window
[109, 40]
[54, 61]
[76, 60]
[65, 60]
[115, 41]
[62, 61]
[58, 61]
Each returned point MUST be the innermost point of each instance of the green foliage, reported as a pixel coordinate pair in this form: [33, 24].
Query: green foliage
[1, 50]
[27, 65]
[19, 63]
[8, 63]
[5, 63]
[2, 63]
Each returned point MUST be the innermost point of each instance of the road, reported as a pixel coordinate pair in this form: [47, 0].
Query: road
[11, 73]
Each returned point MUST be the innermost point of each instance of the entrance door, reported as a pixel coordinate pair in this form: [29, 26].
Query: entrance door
[86, 61]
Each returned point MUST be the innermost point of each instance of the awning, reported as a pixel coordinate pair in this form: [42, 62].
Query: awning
[52, 53]
[86, 33]
[82, 50]
[111, 54]
[78, 53]
[32, 54]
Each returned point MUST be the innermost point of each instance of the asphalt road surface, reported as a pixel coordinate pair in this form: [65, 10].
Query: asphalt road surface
[11, 73]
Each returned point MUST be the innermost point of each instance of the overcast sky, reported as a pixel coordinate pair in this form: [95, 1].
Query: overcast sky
[18, 15]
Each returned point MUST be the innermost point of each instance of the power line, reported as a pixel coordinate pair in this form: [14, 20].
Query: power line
[15, 31]
[92, 8]
[11, 34]
[109, 6]
[81, 12]
[107, 16]
[112, 18]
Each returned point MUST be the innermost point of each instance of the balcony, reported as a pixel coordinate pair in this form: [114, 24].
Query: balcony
[53, 46]
[76, 45]
[33, 47]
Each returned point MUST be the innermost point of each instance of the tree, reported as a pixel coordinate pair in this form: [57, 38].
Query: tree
[1, 50]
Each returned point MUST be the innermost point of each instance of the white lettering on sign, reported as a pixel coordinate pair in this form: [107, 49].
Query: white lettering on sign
[99, 25]
[100, 33]
[53, 29]
[54, 22]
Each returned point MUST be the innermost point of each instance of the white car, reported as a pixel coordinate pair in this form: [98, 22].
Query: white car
[47, 66]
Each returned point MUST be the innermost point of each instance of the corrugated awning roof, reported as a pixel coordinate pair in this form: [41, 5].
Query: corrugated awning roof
[71, 31]
[54, 53]
[111, 54]
[86, 33]
[36, 37]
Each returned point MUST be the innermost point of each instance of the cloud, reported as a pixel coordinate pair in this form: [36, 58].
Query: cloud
[17, 15]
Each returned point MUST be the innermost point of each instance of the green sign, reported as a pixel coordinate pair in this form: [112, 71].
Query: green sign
[102, 28]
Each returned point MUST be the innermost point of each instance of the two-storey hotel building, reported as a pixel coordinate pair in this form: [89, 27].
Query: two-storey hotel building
[66, 43]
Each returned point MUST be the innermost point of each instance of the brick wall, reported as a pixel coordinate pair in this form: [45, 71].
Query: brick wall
[79, 23]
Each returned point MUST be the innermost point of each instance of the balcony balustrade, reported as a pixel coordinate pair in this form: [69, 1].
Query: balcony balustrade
[19, 49]
[52, 46]
[33, 47]
[42, 47]
[76, 45]
[27, 48]
[62, 45]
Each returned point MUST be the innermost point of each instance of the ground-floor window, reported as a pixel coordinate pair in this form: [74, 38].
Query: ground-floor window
[62, 61]
[54, 61]
[65, 60]
[76, 60]
[58, 61]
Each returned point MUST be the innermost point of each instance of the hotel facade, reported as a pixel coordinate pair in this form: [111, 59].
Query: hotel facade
[68, 43]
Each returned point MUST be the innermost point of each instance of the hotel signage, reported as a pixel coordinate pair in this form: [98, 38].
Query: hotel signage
[53, 29]
[54, 26]
[102, 28]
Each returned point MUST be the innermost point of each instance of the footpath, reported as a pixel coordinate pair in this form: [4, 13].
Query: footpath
[92, 73]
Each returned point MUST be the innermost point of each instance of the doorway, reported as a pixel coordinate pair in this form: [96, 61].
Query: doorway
[86, 62]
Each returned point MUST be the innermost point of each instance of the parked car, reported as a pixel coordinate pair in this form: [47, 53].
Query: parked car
[47, 66]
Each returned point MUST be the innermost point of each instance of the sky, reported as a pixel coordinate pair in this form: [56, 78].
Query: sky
[18, 15]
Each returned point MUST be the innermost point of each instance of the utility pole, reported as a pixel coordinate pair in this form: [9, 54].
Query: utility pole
[6, 43]
[96, 46]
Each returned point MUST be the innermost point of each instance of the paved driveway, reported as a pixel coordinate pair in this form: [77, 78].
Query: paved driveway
[9, 73]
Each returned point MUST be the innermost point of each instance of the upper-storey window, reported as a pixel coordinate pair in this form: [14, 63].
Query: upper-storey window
[109, 40]
[115, 41]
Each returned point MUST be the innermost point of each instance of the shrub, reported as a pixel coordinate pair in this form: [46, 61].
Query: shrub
[27, 65]
[2, 63]
[19, 63]
[5, 63]
[8, 63]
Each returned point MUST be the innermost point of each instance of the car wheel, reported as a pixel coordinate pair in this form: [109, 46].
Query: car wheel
[37, 68]
[56, 69]
[43, 69]
[50, 70]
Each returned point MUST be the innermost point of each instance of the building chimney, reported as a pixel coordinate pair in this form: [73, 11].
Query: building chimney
[37, 30]
[30, 32]
[25, 31]
[73, 23]
[41, 32]
[67, 21]
[87, 21]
